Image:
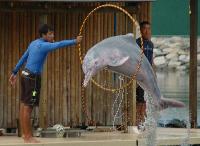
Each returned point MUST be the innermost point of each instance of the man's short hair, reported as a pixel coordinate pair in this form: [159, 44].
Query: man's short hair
[44, 28]
[143, 23]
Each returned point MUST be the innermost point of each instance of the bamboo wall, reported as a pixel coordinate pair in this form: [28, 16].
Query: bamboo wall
[61, 97]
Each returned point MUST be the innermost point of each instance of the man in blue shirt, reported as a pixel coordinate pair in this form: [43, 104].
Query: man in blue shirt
[145, 29]
[35, 57]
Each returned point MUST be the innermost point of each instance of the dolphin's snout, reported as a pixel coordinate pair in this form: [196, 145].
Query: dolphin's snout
[88, 75]
[85, 82]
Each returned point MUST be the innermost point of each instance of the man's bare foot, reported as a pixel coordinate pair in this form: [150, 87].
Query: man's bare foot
[31, 140]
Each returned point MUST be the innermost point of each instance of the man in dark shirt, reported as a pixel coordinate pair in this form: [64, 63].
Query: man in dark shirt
[145, 29]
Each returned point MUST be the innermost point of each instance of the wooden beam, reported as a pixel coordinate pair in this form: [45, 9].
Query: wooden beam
[193, 62]
[74, 10]
[47, 7]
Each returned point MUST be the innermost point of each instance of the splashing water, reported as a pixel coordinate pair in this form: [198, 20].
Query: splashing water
[186, 139]
[118, 94]
[116, 115]
[150, 125]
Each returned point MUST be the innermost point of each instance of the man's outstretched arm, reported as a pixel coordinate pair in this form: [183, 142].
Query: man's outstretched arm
[47, 46]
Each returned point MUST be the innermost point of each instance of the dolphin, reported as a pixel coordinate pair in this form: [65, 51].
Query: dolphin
[122, 54]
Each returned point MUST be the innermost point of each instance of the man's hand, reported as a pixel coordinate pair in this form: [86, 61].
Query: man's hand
[13, 79]
[79, 39]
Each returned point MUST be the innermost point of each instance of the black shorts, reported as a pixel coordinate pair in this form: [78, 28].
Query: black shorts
[140, 95]
[30, 89]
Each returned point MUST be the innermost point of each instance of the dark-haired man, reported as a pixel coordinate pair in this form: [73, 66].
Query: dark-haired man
[35, 57]
[145, 29]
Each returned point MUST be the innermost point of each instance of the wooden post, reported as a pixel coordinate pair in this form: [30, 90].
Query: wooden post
[43, 95]
[131, 28]
[193, 62]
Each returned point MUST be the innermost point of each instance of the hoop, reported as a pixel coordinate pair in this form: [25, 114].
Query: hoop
[141, 54]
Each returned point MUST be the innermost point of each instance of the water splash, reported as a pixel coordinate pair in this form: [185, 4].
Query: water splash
[149, 127]
[186, 139]
[118, 94]
[150, 124]
[116, 115]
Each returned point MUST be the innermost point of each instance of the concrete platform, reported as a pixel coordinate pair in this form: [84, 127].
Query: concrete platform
[166, 136]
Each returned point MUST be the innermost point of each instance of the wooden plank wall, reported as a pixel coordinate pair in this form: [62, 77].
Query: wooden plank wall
[61, 100]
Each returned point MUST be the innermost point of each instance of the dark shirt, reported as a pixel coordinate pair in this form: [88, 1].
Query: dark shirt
[148, 48]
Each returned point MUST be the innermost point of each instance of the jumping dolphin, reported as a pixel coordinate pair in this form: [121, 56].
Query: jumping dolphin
[122, 54]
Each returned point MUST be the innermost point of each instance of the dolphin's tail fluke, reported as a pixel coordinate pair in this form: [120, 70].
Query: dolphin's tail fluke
[167, 103]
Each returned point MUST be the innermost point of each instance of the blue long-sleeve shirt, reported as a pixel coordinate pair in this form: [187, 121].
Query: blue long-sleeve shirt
[36, 54]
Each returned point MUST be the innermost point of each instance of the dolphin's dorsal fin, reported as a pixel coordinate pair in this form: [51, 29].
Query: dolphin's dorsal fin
[118, 61]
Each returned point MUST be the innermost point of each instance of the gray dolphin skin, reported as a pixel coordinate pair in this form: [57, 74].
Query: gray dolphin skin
[122, 54]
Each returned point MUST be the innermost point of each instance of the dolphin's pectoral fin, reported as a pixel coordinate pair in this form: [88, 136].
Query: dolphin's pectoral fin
[118, 61]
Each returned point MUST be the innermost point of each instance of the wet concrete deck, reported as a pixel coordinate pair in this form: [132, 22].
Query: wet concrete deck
[165, 136]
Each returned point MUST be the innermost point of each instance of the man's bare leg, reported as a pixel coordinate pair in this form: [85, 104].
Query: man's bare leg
[21, 118]
[140, 113]
[28, 138]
